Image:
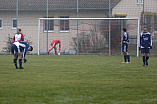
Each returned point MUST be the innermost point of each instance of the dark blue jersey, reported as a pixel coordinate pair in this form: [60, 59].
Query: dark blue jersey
[145, 40]
[22, 47]
[125, 38]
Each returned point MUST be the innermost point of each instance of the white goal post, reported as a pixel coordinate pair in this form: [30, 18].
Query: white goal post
[82, 19]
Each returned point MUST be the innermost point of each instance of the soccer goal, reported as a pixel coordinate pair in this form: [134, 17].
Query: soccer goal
[88, 35]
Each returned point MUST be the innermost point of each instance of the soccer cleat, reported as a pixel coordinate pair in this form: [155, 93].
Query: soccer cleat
[48, 53]
[144, 65]
[128, 62]
[124, 62]
[25, 60]
[21, 68]
[147, 63]
[17, 68]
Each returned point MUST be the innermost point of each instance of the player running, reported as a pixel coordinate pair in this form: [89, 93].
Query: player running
[125, 42]
[18, 36]
[16, 49]
[53, 45]
[145, 45]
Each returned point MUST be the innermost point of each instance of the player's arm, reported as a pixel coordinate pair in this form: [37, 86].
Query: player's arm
[24, 53]
[127, 38]
[59, 46]
[22, 37]
[123, 38]
[139, 45]
[14, 39]
[25, 48]
[150, 42]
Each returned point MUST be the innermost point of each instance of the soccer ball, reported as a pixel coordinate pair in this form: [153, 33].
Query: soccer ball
[59, 53]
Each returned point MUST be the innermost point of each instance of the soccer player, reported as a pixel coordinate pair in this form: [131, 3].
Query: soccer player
[125, 42]
[145, 45]
[16, 49]
[53, 45]
[18, 36]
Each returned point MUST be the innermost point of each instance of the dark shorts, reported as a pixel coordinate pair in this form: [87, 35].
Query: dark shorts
[145, 50]
[124, 47]
[14, 49]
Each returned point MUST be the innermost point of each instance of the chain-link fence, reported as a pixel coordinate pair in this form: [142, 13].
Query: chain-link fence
[89, 35]
[24, 14]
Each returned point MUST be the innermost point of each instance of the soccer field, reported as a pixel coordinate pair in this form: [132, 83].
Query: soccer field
[82, 79]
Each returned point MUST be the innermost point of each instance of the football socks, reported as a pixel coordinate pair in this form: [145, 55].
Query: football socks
[124, 58]
[147, 58]
[20, 63]
[55, 52]
[144, 60]
[128, 56]
[15, 63]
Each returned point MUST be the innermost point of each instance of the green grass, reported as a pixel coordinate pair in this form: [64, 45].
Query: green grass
[84, 79]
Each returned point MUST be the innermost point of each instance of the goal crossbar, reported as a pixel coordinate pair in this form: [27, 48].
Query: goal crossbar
[89, 18]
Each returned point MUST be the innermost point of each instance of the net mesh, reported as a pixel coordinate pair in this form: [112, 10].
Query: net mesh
[89, 36]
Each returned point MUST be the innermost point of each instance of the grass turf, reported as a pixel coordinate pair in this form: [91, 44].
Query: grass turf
[83, 79]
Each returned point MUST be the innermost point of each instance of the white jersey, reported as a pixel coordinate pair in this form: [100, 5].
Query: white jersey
[17, 37]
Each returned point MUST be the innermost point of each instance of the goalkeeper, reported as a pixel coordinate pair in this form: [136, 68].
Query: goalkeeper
[125, 42]
[53, 45]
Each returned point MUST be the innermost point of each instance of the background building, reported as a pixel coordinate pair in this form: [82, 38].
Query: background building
[30, 11]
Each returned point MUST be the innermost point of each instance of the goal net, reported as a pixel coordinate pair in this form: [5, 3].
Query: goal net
[88, 35]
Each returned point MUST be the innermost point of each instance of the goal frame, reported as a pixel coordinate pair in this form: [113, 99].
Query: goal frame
[138, 30]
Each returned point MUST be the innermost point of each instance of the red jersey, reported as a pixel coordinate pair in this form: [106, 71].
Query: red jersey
[18, 37]
[55, 42]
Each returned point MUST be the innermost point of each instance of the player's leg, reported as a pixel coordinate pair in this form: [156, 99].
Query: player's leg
[20, 61]
[14, 51]
[143, 55]
[55, 50]
[125, 57]
[52, 46]
[147, 55]
[144, 51]
[49, 50]
[128, 57]
[124, 52]
[144, 58]
[15, 60]
[127, 54]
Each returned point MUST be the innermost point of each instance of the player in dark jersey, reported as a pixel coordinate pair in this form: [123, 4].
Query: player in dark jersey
[145, 45]
[125, 42]
[16, 49]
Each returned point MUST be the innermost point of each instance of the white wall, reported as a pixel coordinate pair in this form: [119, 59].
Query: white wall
[28, 22]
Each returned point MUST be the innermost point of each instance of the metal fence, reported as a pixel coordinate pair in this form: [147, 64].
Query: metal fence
[24, 14]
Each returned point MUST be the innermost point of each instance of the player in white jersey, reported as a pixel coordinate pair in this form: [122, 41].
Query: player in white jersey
[16, 49]
[18, 36]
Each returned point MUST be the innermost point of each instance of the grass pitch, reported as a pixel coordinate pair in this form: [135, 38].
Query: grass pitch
[86, 79]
